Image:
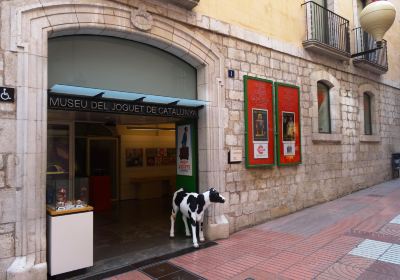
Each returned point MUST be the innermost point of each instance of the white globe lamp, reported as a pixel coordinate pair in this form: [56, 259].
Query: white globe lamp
[376, 18]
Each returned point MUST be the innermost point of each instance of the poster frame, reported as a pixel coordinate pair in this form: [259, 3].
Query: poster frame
[249, 142]
[278, 140]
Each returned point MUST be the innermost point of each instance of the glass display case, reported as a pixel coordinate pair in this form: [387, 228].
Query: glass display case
[63, 190]
[69, 218]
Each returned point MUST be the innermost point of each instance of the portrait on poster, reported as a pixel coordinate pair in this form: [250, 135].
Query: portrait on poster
[260, 125]
[184, 149]
[288, 133]
[288, 130]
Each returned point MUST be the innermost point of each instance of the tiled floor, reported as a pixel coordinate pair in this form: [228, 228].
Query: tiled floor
[132, 232]
[354, 237]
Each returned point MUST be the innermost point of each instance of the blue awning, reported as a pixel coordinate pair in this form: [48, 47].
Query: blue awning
[125, 96]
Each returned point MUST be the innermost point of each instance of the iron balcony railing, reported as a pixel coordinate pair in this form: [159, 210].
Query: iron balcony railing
[327, 28]
[365, 42]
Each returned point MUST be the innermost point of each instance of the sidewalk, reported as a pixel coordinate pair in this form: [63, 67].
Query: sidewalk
[354, 237]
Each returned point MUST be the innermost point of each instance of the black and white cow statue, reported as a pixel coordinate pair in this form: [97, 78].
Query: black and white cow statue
[192, 206]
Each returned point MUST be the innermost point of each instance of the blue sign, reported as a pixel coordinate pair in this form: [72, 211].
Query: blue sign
[231, 73]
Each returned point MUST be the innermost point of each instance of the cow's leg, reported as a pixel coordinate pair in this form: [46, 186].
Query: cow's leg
[173, 217]
[201, 233]
[193, 224]
[187, 232]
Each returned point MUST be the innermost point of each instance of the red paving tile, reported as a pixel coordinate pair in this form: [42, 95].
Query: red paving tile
[391, 229]
[341, 271]
[259, 275]
[356, 261]
[369, 275]
[385, 268]
[280, 262]
[283, 250]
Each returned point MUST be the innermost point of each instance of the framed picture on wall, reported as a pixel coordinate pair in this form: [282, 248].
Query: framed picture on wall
[160, 156]
[134, 157]
[288, 124]
[259, 123]
[151, 156]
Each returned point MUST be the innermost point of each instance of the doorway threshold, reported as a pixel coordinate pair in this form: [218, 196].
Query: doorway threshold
[132, 261]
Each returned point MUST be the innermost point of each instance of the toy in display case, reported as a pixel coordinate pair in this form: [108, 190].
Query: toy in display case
[60, 197]
[57, 194]
[81, 191]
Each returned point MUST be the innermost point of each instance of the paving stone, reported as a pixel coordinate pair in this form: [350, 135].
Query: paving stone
[396, 220]
[392, 255]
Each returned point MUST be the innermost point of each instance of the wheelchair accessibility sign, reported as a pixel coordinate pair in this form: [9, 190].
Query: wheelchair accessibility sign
[6, 94]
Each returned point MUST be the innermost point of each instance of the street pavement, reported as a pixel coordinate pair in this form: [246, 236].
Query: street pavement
[354, 237]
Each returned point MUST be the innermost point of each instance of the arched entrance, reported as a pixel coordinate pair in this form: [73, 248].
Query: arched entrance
[33, 25]
[115, 128]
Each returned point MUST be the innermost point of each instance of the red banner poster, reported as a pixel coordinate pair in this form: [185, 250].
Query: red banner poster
[288, 124]
[259, 122]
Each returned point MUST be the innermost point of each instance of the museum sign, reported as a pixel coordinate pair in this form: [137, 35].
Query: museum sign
[95, 104]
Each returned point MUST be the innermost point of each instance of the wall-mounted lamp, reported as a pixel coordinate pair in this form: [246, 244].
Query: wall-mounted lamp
[375, 19]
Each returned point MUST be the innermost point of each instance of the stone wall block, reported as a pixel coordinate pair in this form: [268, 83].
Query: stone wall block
[7, 136]
[277, 56]
[241, 45]
[236, 95]
[7, 245]
[284, 66]
[275, 64]
[238, 128]
[2, 179]
[219, 26]
[249, 208]
[31, 235]
[236, 210]
[257, 69]
[229, 42]
[235, 64]
[244, 66]
[244, 197]
[231, 140]
[7, 205]
[241, 222]
[236, 54]
[2, 161]
[234, 116]
[203, 21]
[234, 198]
[260, 184]
[10, 68]
[251, 57]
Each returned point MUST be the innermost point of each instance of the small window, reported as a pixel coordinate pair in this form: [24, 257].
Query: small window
[324, 118]
[367, 114]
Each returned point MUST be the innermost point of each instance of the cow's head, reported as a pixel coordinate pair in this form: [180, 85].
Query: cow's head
[215, 196]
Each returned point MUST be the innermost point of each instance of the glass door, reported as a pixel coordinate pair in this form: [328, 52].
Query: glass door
[102, 162]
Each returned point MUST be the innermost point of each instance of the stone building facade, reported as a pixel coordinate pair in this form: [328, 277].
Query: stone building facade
[333, 164]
